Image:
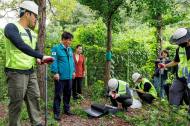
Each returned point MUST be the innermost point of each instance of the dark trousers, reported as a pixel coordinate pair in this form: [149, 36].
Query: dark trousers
[166, 88]
[148, 98]
[77, 87]
[178, 93]
[62, 87]
[126, 102]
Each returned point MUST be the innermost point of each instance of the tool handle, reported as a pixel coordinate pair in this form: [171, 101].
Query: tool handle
[48, 60]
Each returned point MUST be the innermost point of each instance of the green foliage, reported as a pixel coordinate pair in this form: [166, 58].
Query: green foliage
[3, 121]
[103, 7]
[91, 34]
[97, 90]
[168, 9]
[125, 61]
[157, 114]
[63, 10]
[82, 15]
[80, 112]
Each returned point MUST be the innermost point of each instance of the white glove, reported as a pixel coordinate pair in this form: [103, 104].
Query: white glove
[188, 85]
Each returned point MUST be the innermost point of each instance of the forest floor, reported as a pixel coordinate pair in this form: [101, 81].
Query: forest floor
[159, 113]
[79, 119]
[156, 114]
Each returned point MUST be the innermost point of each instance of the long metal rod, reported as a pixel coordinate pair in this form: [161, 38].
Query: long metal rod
[46, 97]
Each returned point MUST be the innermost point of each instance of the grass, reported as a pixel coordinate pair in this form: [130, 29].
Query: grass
[157, 114]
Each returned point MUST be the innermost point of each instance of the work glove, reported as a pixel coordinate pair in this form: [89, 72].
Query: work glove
[161, 65]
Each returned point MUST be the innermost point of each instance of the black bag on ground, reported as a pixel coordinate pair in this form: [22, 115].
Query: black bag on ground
[97, 110]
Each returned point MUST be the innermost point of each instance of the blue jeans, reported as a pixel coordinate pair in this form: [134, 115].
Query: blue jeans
[62, 87]
[159, 86]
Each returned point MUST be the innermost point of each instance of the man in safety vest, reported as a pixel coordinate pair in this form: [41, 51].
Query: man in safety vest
[119, 92]
[179, 90]
[21, 55]
[145, 89]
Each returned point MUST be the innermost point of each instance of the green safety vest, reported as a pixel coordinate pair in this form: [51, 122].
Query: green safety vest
[15, 58]
[122, 87]
[184, 65]
[152, 90]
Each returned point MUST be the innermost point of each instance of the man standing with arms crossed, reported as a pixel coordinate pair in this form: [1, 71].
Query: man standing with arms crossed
[21, 57]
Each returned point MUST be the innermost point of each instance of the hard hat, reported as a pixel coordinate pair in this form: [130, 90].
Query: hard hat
[30, 6]
[180, 36]
[135, 77]
[113, 84]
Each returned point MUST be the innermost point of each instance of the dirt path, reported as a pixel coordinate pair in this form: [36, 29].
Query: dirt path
[76, 120]
[103, 121]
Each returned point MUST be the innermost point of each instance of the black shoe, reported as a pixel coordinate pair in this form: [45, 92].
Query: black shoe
[57, 117]
[39, 124]
[69, 113]
[75, 97]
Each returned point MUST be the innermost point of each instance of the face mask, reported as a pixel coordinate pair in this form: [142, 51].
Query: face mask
[183, 44]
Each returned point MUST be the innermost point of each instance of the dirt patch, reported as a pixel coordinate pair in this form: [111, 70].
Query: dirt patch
[3, 112]
[78, 121]
[103, 121]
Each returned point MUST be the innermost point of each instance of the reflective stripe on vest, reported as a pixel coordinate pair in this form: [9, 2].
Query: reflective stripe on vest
[152, 90]
[122, 87]
[184, 65]
[15, 58]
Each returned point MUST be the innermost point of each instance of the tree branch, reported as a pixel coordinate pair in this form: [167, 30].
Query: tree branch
[51, 8]
[2, 16]
[116, 7]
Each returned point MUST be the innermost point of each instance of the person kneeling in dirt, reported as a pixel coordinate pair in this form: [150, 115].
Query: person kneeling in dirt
[145, 89]
[119, 92]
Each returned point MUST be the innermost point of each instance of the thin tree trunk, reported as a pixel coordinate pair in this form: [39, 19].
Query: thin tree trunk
[41, 44]
[159, 33]
[109, 45]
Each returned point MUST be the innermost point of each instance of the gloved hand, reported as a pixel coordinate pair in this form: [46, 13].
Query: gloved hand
[161, 65]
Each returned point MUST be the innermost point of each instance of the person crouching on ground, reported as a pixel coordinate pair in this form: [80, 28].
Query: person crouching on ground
[119, 92]
[145, 89]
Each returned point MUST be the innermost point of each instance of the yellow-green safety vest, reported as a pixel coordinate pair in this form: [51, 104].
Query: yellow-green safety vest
[184, 64]
[152, 90]
[15, 58]
[122, 87]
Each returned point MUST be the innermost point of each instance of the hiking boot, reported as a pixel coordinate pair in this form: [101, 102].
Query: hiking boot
[39, 124]
[57, 117]
[69, 113]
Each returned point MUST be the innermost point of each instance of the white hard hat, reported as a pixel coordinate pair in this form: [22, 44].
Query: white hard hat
[113, 84]
[180, 36]
[135, 77]
[179, 33]
[30, 6]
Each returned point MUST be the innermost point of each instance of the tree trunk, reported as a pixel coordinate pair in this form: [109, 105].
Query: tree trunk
[41, 43]
[109, 45]
[159, 33]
